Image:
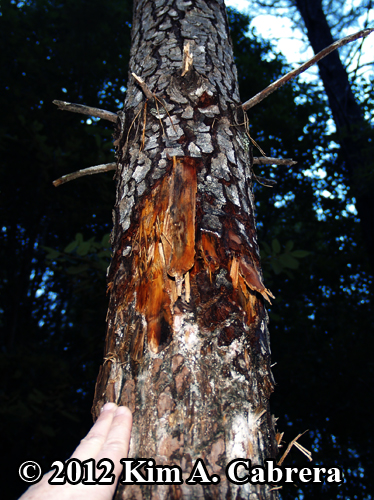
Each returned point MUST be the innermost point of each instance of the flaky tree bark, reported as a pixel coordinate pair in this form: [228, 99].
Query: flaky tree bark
[353, 131]
[187, 346]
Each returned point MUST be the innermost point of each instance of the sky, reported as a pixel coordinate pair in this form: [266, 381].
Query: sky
[289, 40]
[291, 43]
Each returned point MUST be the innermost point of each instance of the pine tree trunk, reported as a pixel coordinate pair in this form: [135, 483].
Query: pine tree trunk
[187, 346]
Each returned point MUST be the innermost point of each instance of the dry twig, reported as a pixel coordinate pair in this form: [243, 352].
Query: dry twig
[132, 123]
[97, 169]
[266, 160]
[167, 112]
[144, 86]
[306, 452]
[246, 126]
[86, 110]
[159, 119]
[144, 125]
[265, 182]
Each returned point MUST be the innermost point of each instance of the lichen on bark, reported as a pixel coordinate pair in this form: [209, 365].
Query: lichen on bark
[187, 346]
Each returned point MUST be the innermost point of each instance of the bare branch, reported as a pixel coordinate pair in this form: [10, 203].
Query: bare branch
[366, 22]
[364, 65]
[97, 169]
[294, 442]
[265, 160]
[86, 110]
[144, 86]
[292, 74]
[265, 182]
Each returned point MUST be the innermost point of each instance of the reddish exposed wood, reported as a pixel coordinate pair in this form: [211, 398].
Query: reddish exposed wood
[253, 279]
[234, 272]
[248, 301]
[163, 252]
[235, 241]
[151, 283]
[179, 228]
[245, 278]
[209, 253]
[206, 100]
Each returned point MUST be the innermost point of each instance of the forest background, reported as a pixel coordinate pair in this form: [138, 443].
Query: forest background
[54, 242]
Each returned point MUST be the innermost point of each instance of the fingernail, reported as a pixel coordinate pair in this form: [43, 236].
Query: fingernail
[108, 406]
[121, 410]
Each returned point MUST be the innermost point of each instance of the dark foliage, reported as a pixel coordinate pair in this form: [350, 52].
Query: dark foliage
[53, 322]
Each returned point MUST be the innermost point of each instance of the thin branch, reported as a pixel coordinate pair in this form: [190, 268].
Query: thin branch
[265, 160]
[294, 442]
[366, 22]
[167, 112]
[265, 182]
[132, 123]
[366, 64]
[86, 110]
[144, 125]
[353, 52]
[246, 126]
[144, 86]
[292, 74]
[98, 169]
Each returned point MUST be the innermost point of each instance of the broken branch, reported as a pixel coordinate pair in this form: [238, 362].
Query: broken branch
[97, 169]
[266, 160]
[294, 442]
[292, 74]
[144, 86]
[86, 110]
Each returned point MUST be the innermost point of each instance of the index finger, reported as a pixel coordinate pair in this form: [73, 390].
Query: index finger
[117, 443]
[91, 444]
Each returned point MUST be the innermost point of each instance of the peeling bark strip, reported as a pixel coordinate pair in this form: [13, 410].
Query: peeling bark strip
[187, 346]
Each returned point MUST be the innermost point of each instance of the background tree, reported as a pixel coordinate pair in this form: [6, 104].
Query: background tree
[354, 133]
[320, 321]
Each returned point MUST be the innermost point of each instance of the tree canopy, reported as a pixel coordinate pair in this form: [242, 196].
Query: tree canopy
[55, 243]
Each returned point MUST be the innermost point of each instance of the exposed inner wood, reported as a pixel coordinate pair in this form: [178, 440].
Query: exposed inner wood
[187, 59]
[179, 228]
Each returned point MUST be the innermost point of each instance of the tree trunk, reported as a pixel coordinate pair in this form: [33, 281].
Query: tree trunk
[187, 346]
[353, 131]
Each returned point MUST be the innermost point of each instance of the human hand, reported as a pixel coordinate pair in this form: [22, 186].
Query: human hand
[108, 438]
